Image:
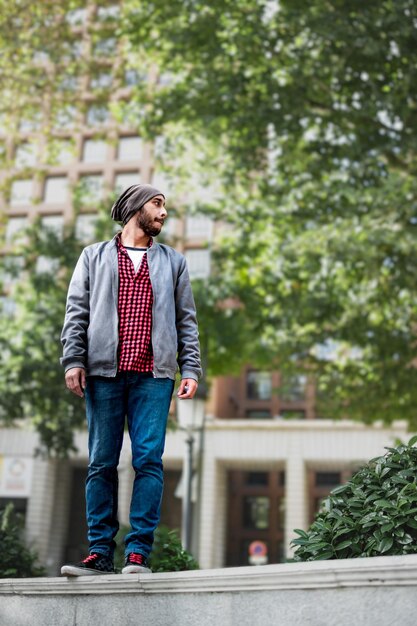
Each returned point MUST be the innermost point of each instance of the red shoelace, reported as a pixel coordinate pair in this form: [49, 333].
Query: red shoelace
[136, 558]
[90, 557]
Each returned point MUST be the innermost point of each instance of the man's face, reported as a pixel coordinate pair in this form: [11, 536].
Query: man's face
[152, 215]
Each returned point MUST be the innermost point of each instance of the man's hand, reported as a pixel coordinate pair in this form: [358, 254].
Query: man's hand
[75, 380]
[187, 389]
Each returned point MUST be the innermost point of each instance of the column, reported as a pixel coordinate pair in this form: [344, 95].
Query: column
[40, 512]
[296, 513]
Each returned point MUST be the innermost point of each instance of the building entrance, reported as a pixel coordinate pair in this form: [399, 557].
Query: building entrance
[256, 517]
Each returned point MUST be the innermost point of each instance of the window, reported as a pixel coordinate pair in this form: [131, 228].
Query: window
[21, 192]
[7, 306]
[321, 482]
[293, 387]
[54, 223]
[170, 228]
[72, 50]
[258, 385]
[257, 478]
[199, 227]
[14, 227]
[97, 115]
[25, 155]
[30, 124]
[105, 47]
[198, 261]
[256, 512]
[160, 146]
[67, 83]
[108, 13]
[101, 80]
[56, 190]
[46, 265]
[85, 227]
[133, 77]
[327, 479]
[65, 117]
[11, 270]
[95, 151]
[76, 17]
[130, 149]
[61, 152]
[91, 188]
[40, 57]
[160, 180]
[125, 180]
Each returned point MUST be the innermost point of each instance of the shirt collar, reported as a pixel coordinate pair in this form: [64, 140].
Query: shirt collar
[121, 246]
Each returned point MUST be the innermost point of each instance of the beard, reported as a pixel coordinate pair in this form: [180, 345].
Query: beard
[148, 224]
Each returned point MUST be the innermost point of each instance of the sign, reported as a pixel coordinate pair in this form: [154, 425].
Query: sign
[258, 553]
[15, 476]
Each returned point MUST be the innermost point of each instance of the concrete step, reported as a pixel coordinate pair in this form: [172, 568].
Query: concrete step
[353, 592]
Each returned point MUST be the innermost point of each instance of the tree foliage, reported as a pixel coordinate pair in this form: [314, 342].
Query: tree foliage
[32, 381]
[36, 277]
[302, 115]
[308, 114]
[16, 559]
[39, 54]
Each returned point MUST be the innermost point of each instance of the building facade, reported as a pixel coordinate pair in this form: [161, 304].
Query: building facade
[259, 481]
[266, 460]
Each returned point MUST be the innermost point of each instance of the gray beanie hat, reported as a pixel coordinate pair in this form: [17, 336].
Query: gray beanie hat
[131, 200]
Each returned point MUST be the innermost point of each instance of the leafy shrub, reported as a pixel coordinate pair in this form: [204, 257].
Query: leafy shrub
[16, 560]
[167, 554]
[374, 513]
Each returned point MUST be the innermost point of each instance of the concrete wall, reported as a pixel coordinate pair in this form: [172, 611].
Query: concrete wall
[363, 592]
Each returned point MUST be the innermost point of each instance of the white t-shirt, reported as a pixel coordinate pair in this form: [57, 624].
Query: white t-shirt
[136, 255]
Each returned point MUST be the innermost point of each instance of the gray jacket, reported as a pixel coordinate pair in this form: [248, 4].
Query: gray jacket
[90, 335]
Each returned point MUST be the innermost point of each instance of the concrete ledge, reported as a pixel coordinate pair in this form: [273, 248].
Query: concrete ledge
[385, 571]
[381, 590]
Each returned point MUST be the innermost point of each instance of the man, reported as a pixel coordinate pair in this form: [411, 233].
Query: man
[130, 322]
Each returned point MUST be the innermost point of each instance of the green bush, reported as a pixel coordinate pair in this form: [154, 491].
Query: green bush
[167, 554]
[374, 513]
[16, 560]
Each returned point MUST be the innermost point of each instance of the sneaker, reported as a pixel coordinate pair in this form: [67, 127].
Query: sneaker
[136, 564]
[91, 566]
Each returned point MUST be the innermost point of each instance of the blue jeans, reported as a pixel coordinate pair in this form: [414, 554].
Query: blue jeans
[145, 402]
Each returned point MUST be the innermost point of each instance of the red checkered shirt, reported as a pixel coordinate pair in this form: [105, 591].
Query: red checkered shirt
[135, 314]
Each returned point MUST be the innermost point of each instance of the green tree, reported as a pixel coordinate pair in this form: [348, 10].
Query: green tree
[43, 58]
[39, 55]
[31, 382]
[306, 113]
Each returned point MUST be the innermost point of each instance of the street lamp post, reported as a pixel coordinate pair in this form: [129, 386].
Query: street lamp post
[190, 414]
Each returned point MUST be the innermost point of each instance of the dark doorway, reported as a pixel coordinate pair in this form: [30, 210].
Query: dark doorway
[77, 545]
[256, 503]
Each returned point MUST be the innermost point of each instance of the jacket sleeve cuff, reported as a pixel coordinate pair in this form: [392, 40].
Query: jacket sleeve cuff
[69, 366]
[190, 374]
